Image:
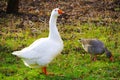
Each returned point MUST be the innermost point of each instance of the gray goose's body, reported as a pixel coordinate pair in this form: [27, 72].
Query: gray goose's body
[95, 47]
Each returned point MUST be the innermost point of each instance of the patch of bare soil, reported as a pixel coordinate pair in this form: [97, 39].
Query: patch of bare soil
[81, 11]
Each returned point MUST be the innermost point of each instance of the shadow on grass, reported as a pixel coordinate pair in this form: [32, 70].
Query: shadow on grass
[54, 77]
[5, 49]
[61, 77]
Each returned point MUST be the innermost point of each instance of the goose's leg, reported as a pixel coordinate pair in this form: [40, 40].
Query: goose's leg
[44, 70]
[94, 59]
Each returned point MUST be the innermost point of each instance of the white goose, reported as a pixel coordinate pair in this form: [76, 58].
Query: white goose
[44, 50]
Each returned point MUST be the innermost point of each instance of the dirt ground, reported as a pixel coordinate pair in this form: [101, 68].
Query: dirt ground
[97, 11]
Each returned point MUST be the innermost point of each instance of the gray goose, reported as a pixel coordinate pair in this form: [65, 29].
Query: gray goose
[95, 47]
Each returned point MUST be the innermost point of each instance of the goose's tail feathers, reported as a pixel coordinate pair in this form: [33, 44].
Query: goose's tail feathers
[17, 53]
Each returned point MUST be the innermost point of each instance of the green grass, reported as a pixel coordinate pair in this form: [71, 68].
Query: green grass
[72, 64]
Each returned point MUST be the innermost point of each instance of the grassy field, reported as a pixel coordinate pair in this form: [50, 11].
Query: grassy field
[73, 64]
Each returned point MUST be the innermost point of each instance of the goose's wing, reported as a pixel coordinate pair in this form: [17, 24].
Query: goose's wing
[95, 42]
[36, 50]
[95, 46]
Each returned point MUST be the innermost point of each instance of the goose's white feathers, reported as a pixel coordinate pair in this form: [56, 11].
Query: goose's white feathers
[43, 50]
[44, 46]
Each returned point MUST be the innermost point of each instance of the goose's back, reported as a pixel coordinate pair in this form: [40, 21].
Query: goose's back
[93, 46]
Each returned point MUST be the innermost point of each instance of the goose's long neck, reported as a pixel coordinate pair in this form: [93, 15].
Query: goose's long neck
[54, 34]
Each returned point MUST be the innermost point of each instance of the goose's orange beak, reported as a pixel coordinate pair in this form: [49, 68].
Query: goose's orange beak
[60, 11]
[111, 59]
